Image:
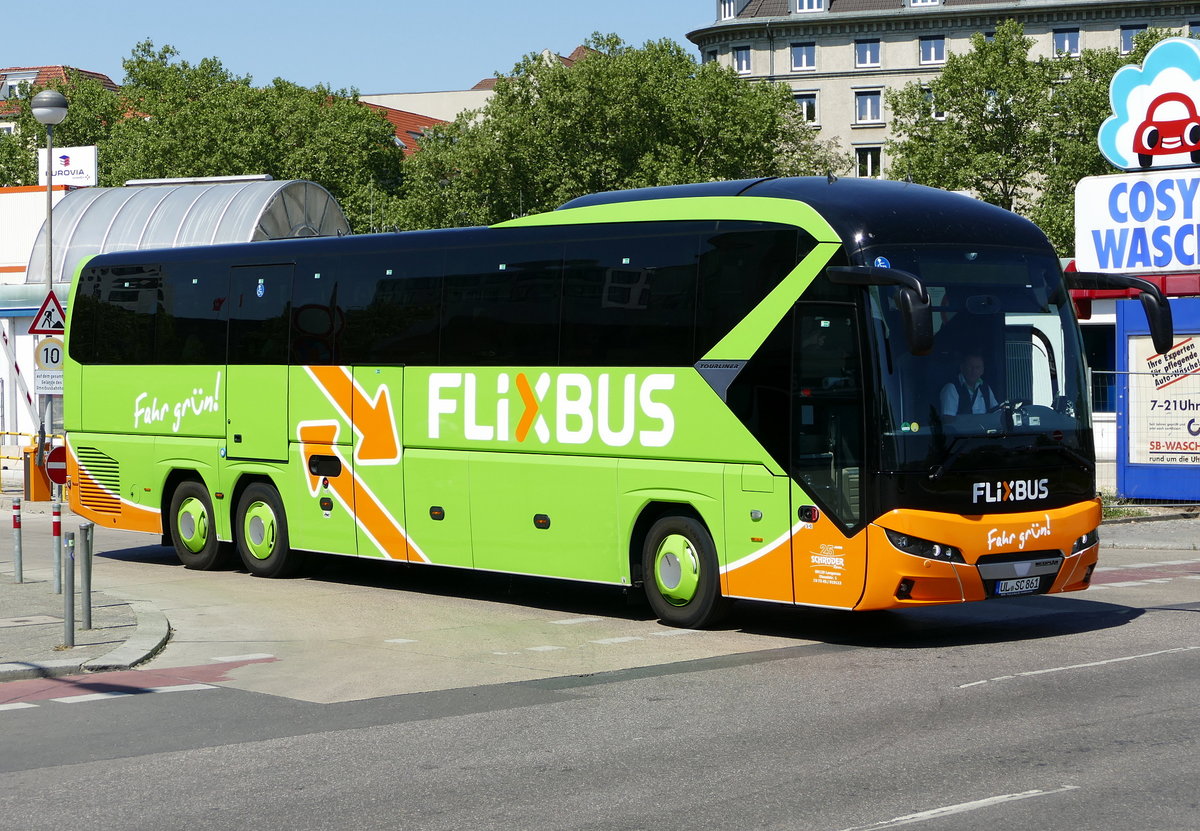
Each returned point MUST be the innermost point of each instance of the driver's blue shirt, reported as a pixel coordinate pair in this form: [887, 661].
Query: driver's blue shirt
[979, 398]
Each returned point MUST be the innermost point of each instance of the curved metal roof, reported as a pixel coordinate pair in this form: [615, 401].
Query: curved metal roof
[92, 221]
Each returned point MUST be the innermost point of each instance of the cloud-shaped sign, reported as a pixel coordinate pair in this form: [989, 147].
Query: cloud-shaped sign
[1156, 109]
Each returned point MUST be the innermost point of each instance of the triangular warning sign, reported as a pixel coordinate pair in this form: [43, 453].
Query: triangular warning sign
[50, 318]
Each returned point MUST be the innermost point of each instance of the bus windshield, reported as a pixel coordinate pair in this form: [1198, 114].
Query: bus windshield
[1003, 386]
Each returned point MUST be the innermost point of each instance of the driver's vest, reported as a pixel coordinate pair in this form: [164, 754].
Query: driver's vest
[967, 398]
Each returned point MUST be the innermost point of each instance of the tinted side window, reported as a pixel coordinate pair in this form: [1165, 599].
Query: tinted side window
[113, 322]
[259, 309]
[392, 303]
[739, 266]
[190, 323]
[629, 298]
[501, 305]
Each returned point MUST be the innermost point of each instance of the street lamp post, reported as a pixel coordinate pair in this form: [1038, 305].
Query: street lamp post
[49, 108]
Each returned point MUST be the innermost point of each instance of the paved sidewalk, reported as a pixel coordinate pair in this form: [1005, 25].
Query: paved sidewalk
[32, 628]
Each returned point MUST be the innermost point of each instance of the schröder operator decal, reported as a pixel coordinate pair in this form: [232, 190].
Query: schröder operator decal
[614, 409]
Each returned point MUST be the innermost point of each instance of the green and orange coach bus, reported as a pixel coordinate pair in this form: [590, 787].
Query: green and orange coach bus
[712, 391]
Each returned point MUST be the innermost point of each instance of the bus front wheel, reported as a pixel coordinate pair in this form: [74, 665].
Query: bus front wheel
[262, 534]
[680, 573]
[193, 530]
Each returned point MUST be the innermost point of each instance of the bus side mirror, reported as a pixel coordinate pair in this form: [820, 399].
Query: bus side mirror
[918, 321]
[911, 297]
[1154, 302]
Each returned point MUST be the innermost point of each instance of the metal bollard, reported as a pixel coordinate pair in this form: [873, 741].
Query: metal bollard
[18, 563]
[85, 573]
[69, 592]
[56, 534]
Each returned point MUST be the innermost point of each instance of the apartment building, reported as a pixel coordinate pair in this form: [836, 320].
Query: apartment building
[839, 56]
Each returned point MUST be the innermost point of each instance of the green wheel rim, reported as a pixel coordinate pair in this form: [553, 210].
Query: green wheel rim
[259, 530]
[192, 522]
[677, 569]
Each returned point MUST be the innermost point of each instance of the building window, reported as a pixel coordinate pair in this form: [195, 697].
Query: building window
[728, 9]
[1066, 42]
[866, 53]
[1194, 28]
[741, 59]
[923, 2]
[807, 104]
[868, 107]
[710, 56]
[810, 5]
[6, 128]
[933, 49]
[1127, 35]
[869, 160]
[935, 111]
[804, 56]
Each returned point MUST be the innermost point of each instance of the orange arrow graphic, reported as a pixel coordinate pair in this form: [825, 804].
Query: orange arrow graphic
[370, 514]
[372, 420]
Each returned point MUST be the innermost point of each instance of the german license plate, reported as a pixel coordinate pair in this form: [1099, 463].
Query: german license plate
[1022, 585]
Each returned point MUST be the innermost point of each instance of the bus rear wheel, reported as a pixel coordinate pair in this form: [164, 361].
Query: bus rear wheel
[680, 573]
[193, 529]
[262, 534]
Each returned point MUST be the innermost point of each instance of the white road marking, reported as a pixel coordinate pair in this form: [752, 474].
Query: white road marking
[571, 621]
[180, 688]
[670, 633]
[960, 808]
[607, 641]
[79, 699]
[1081, 666]
[19, 705]
[253, 656]
[543, 648]
[399, 640]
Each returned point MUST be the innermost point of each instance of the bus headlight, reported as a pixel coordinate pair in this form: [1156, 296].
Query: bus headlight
[1086, 541]
[924, 548]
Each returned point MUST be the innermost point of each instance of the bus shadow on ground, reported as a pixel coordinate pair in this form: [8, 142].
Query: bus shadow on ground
[928, 627]
[935, 627]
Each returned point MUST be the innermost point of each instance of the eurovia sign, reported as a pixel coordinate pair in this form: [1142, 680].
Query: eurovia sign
[1147, 219]
[74, 166]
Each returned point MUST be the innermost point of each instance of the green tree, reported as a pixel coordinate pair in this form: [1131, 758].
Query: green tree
[202, 120]
[1016, 132]
[172, 118]
[980, 125]
[1079, 105]
[622, 117]
[94, 109]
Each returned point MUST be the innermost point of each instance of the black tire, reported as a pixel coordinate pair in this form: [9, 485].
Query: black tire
[680, 573]
[260, 528]
[193, 528]
[1145, 160]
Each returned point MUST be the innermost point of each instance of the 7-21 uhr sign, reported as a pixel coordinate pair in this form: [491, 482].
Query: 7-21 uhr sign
[1164, 403]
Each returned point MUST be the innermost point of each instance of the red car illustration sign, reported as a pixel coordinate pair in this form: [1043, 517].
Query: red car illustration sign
[1172, 126]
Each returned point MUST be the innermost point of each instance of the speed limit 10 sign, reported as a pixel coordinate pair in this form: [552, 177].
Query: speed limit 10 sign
[49, 354]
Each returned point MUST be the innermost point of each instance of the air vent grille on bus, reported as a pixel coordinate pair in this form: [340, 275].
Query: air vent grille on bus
[98, 489]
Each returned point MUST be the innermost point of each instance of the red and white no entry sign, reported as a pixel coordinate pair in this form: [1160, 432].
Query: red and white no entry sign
[56, 465]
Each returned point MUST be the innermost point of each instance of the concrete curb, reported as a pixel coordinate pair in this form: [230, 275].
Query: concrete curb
[153, 631]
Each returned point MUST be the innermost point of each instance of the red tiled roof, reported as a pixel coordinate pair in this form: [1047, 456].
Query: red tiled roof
[46, 74]
[407, 125]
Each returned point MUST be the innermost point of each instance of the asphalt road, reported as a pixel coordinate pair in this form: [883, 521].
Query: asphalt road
[366, 698]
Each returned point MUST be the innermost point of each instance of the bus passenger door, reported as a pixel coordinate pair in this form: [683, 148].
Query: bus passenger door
[829, 544]
[256, 394]
[376, 410]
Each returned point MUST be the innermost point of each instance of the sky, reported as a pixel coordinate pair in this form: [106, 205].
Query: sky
[375, 47]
